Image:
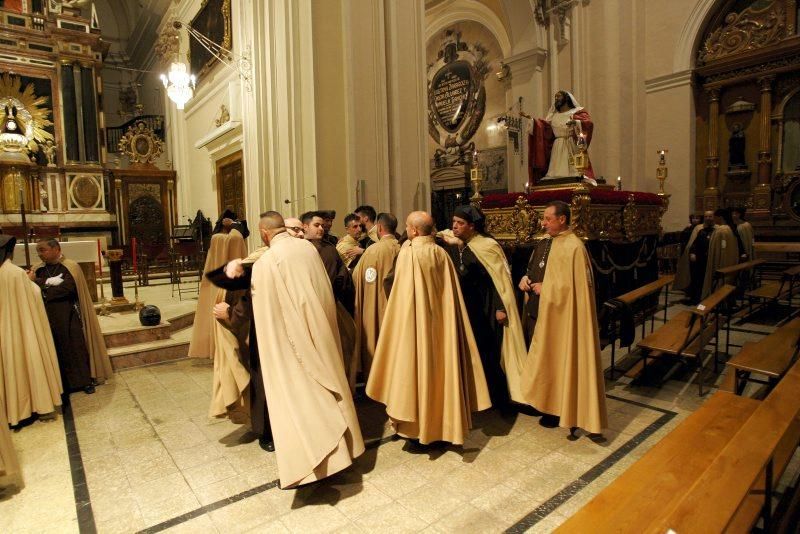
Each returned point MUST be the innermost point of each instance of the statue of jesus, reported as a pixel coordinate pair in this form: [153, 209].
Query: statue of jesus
[555, 138]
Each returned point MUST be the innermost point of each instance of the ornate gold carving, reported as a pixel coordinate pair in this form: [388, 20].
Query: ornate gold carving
[167, 45]
[136, 191]
[749, 30]
[140, 144]
[224, 116]
[581, 202]
[518, 224]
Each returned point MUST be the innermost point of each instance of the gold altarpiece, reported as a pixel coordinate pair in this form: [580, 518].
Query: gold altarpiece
[748, 114]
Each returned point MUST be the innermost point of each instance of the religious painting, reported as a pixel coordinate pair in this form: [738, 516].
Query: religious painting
[214, 22]
[33, 98]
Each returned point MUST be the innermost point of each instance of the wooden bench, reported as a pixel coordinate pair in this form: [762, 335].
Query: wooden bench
[715, 472]
[655, 484]
[738, 485]
[772, 292]
[629, 301]
[771, 357]
[724, 274]
[686, 335]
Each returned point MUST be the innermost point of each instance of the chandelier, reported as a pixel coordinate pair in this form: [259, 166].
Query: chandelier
[179, 84]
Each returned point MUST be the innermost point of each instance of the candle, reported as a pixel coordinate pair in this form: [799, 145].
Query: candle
[133, 253]
[20, 197]
[99, 259]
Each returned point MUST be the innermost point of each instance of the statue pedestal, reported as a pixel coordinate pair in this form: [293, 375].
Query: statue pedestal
[569, 182]
[115, 267]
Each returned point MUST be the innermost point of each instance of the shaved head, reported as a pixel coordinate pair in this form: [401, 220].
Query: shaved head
[271, 220]
[419, 223]
[294, 226]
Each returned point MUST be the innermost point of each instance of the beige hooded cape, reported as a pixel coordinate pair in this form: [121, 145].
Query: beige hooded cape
[345, 244]
[219, 253]
[563, 375]
[748, 236]
[372, 277]
[30, 381]
[9, 465]
[723, 251]
[427, 370]
[230, 377]
[514, 351]
[311, 410]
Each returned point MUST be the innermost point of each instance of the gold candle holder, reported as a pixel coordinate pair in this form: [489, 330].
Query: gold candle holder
[476, 178]
[580, 161]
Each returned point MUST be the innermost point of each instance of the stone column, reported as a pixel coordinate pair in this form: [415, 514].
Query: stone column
[711, 192]
[762, 192]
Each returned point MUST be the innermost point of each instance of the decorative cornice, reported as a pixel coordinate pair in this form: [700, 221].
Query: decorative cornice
[669, 81]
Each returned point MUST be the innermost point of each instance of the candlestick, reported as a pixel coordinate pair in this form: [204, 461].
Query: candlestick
[619, 183]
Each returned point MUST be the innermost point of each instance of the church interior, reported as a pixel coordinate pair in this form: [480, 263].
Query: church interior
[133, 130]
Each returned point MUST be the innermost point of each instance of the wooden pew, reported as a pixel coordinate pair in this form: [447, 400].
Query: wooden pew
[686, 335]
[772, 292]
[771, 356]
[728, 273]
[737, 487]
[655, 484]
[630, 300]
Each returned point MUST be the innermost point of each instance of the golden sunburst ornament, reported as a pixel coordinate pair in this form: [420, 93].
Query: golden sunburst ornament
[32, 114]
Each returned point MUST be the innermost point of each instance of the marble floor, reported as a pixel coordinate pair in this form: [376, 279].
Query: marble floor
[141, 455]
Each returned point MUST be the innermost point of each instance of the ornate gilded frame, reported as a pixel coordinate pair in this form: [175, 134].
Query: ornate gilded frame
[200, 60]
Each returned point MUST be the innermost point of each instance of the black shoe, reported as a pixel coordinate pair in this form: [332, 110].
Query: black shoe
[88, 389]
[266, 444]
[549, 421]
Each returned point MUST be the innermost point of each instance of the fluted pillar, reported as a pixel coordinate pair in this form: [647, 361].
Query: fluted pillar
[762, 191]
[711, 192]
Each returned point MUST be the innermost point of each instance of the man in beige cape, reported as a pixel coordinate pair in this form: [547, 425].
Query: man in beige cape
[10, 474]
[722, 251]
[30, 380]
[313, 418]
[373, 277]
[563, 376]
[202, 343]
[746, 232]
[230, 378]
[427, 369]
[99, 363]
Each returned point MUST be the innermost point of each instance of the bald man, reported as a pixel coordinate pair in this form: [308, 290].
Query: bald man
[313, 418]
[427, 369]
[294, 227]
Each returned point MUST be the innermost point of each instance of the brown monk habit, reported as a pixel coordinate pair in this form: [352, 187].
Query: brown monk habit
[243, 327]
[61, 304]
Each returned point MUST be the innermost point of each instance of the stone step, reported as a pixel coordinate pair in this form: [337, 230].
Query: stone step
[151, 352]
[145, 334]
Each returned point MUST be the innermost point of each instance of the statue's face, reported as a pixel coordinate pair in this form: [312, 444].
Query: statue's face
[560, 99]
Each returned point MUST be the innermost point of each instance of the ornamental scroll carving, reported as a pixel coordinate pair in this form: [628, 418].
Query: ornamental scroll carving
[518, 224]
[751, 29]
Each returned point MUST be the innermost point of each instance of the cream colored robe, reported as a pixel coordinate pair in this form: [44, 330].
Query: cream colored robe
[372, 277]
[514, 351]
[345, 244]
[9, 464]
[311, 410]
[230, 377]
[222, 249]
[427, 369]
[747, 234]
[563, 375]
[30, 381]
[99, 362]
[723, 251]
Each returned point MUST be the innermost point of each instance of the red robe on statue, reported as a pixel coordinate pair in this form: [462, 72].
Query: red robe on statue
[540, 144]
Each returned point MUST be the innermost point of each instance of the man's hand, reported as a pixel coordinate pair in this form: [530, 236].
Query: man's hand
[537, 288]
[221, 311]
[451, 239]
[352, 253]
[501, 317]
[55, 280]
[234, 269]
[692, 257]
[31, 275]
[525, 283]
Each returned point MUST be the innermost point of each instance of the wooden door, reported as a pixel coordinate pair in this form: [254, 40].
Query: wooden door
[230, 185]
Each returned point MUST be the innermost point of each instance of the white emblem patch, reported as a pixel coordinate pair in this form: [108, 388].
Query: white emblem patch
[371, 275]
